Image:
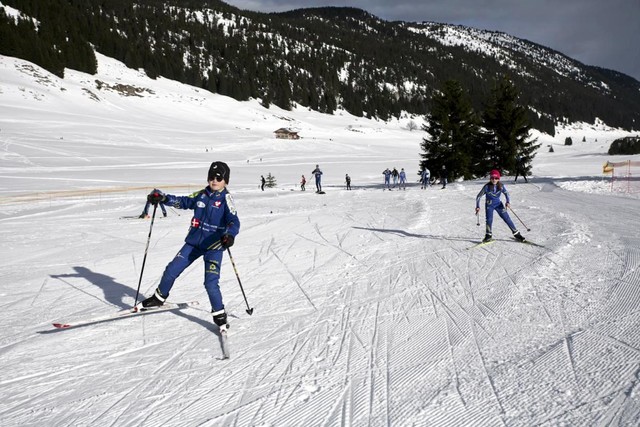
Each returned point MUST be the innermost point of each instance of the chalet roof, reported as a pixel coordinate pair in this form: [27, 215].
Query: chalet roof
[284, 130]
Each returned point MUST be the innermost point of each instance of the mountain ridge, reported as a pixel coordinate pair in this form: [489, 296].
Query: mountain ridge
[322, 58]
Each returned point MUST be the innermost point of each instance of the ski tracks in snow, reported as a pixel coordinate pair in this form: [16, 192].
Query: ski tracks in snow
[372, 318]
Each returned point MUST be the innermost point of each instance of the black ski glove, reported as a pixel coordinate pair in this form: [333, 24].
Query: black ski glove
[156, 197]
[227, 240]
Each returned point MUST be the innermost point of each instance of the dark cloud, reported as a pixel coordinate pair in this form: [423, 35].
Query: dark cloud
[595, 32]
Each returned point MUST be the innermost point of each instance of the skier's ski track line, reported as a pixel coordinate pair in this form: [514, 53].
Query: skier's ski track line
[295, 279]
[469, 316]
[616, 407]
[456, 379]
[288, 368]
[203, 398]
[387, 379]
[490, 379]
[371, 363]
[568, 345]
[336, 246]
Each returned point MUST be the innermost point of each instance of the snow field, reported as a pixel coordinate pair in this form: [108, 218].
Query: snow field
[370, 308]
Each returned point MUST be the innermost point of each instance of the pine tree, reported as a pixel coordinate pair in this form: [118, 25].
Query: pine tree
[452, 133]
[507, 130]
[270, 181]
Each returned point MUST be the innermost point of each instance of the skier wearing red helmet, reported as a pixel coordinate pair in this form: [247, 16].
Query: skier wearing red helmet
[492, 192]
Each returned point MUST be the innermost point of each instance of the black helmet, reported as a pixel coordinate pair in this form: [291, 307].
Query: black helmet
[219, 169]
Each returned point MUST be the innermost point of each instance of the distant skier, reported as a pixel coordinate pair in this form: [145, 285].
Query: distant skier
[263, 182]
[492, 191]
[520, 169]
[303, 182]
[347, 179]
[403, 179]
[387, 178]
[145, 211]
[426, 178]
[443, 177]
[395, 174]
[318, 174]
[214, 225]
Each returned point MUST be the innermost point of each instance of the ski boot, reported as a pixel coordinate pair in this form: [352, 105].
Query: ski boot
[487, 238]
[154, 301]
[519, 237]
[220, 319]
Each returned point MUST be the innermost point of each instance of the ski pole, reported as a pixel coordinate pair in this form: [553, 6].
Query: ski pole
[528, 229]
[477, 219]
[249, 309]
[153, 217]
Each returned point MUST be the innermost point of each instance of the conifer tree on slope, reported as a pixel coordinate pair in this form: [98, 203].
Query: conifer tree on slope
[452, 131]
[507, 130]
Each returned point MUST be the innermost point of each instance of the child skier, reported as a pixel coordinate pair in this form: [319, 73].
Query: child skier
[443, 177]
[318, 174]
[387, 177]
[403, 179]
[395, 174]
[145, 211]
[213, 228]
[492, 190]
[426, 177]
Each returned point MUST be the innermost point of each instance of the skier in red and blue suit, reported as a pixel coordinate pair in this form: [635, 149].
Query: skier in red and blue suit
[214, 225]
[492, 192]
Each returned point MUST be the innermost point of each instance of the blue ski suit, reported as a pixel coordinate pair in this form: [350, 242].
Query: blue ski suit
[387, 177]
[403, 179]
[145, 211]
[426, 176]
[214, 214]
[492, 194]
[318, 174]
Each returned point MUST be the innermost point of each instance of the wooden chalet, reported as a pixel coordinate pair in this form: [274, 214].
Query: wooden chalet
[284, 133]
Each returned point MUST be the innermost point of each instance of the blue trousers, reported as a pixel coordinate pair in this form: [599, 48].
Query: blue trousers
[500, 209]
[184, 258]
[145, 211]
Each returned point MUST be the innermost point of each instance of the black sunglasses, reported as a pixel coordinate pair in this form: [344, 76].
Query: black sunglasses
[217, 177]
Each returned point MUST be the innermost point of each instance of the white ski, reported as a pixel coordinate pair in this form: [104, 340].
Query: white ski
[224, 343]
[130, 312]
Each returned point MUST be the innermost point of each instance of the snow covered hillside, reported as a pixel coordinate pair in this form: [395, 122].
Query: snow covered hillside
[371, 307]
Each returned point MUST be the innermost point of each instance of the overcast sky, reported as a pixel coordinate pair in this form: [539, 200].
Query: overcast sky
[605, 33]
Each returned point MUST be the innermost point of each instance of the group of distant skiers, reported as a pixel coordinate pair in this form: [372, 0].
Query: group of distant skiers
[399, 179]
[317, 173]
[393, 178]
[215, 224]
[426, 180]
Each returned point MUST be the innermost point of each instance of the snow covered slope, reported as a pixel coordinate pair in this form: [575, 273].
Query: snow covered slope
[370, 306]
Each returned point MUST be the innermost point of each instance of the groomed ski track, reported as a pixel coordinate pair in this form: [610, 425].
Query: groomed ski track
[369, 311]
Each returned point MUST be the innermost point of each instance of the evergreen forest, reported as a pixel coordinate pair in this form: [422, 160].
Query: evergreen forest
[322, 59]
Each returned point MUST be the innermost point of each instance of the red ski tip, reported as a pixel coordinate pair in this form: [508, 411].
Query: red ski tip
[61, 325]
